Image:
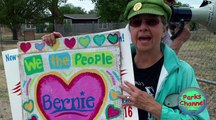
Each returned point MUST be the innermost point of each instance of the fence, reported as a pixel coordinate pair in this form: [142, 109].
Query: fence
[82, 28]
[199, 52]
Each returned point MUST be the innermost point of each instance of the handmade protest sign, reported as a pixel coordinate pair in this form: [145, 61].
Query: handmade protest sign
[11, 68]
[77, 78]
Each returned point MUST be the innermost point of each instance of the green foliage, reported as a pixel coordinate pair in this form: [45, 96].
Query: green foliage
[14, 13]
[70, 9]
[53, 7]
[110, 10]
[56, 2]
[113, 10]
[49, 28]
[179, 4]
[92, 11]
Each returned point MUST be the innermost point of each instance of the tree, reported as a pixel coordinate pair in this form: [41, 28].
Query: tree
[179, 4]
[57, 16]
[70, 9]
[92, 11]
[14, 13]
[55, 11]
[111, 10]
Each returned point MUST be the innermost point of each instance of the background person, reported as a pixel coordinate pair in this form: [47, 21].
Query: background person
[177, 42]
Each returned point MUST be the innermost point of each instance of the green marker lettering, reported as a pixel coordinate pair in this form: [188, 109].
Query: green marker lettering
[33, 64]
[99, 59]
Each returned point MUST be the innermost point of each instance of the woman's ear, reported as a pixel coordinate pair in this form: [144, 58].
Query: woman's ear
[165, 29]
[129, 27]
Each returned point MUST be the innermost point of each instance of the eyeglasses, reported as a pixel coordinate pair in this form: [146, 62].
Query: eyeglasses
[137, 21]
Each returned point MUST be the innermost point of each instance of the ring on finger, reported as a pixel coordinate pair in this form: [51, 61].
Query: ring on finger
[128, 97]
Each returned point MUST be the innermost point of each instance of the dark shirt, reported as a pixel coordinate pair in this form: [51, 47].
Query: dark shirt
[147, 80]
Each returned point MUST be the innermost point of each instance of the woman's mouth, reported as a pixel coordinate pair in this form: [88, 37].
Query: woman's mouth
[144, 38]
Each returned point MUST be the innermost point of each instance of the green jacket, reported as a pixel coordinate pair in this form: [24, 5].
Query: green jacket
[175, 76]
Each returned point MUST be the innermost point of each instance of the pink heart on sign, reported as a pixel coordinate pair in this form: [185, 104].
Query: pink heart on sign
[70, 43]
[33, 118]
[80, 99]
[25, 46]
[112, 112]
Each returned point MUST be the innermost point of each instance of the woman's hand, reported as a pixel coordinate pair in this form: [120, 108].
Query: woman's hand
[50, 39]
[181, 39]
[140, 99]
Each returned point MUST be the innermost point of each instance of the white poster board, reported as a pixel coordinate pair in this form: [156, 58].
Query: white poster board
[130, 113]
[11, 67]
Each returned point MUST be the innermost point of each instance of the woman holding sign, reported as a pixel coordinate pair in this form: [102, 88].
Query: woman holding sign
[159, 75]
[158, 72]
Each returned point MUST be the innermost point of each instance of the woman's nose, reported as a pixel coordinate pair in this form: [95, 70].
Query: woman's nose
[144, 26]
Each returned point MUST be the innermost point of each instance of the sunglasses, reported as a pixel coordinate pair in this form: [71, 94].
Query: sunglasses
[137, 21]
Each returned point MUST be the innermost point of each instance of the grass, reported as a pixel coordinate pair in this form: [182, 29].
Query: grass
[3, 85]
[201, 55]
[1, 64]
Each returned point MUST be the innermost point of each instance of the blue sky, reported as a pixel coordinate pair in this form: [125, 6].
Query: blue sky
[88, 5]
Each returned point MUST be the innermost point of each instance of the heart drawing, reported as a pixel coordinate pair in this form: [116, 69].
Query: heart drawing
[28, 106]
[70, 42]
[99, 39]
[84, 41]
[33, 117]
[113, 39]
[25, 46]
[56, 45]
[81, 98]
[113, 94]
[112, 112]
[40, 46]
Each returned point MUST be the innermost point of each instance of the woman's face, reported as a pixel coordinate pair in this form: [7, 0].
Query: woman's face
[146, 32]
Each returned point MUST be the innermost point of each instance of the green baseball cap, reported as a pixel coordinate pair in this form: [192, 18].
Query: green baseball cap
[156, 7]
